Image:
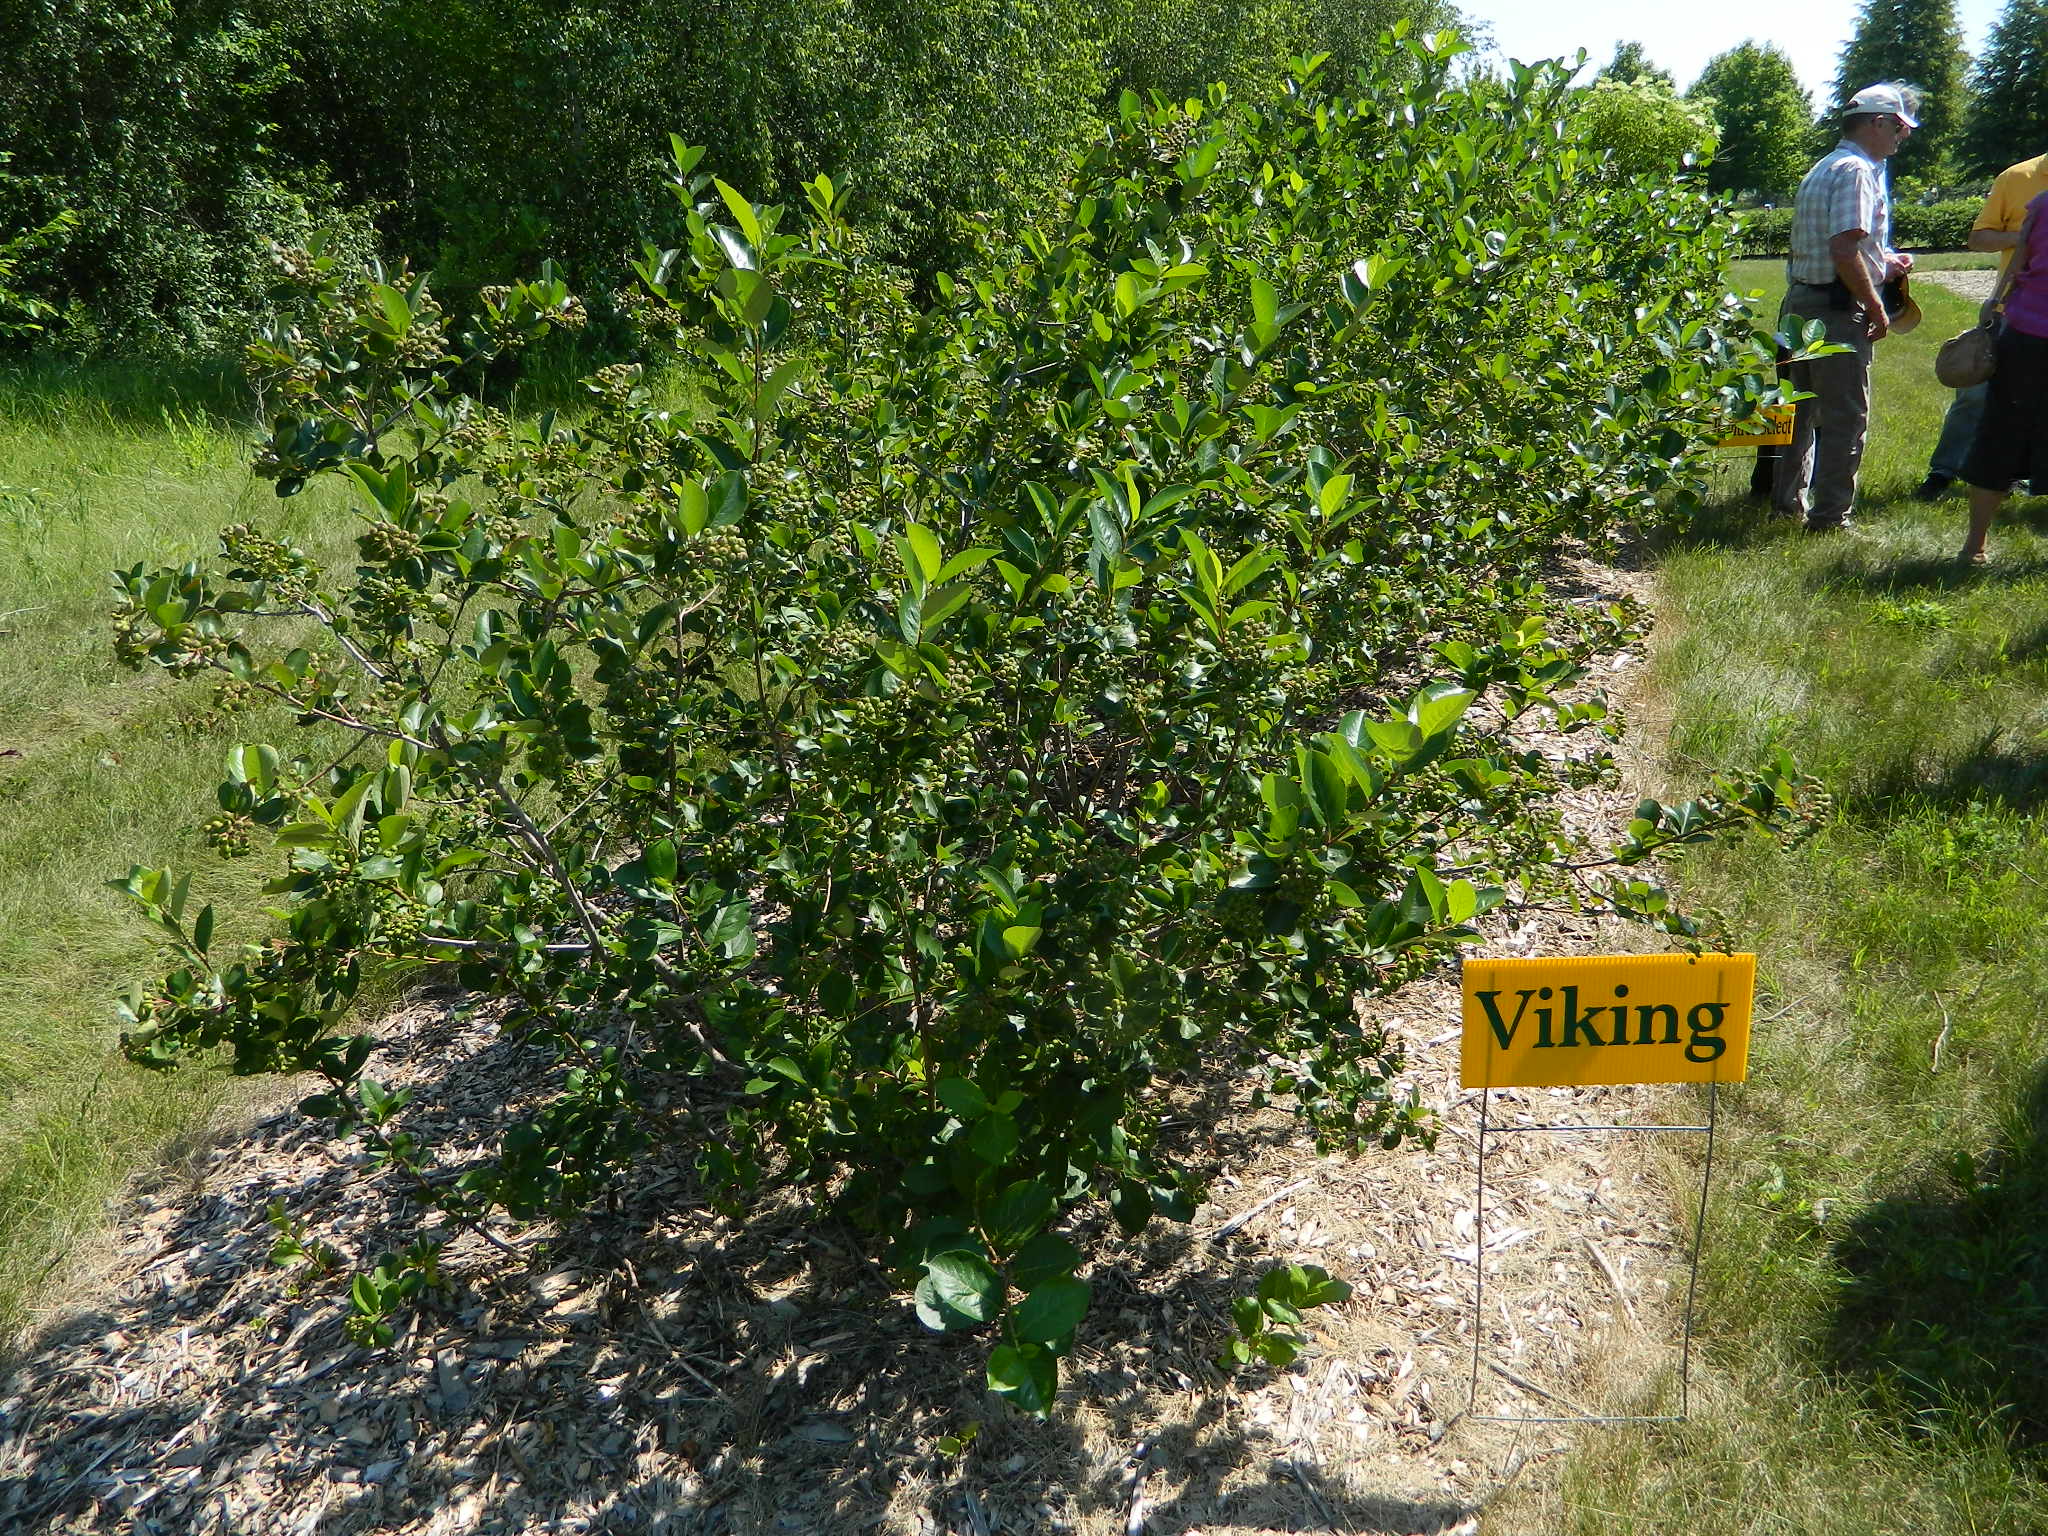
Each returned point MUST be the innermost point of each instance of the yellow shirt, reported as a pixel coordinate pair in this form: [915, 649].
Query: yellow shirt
[2006, 208]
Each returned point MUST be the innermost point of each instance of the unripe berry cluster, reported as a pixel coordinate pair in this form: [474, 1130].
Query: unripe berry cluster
[386, 542]
[228, 835]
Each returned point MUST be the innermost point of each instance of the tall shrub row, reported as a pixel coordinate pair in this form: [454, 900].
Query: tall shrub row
[993, 714]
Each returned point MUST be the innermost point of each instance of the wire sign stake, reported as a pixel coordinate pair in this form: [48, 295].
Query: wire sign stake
[1602, 1019]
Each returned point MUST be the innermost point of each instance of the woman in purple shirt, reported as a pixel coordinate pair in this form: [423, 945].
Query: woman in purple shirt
[2012, 444]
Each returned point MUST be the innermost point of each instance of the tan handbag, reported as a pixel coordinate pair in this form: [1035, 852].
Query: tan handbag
[1970, 358]
[1966, 359]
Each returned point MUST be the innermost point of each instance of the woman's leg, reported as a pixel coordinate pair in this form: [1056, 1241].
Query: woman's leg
[1983, 508]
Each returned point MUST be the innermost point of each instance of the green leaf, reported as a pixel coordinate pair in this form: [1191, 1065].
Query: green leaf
[925, 550]
[1325, 1290]
[254, 765]
[392, 302]
[731, 930]
[959, 1290]
[1248, 570]
[1131, 1203]
[736, 247]
[742, 212]
[962, 1097]
[1440, 706]
[1027, 1374]
[1052, 1310]
[1045, 1256]
[940, 604]
[1422, 899]
[1020, 941]
[1277, 1350]
[693, 507]
[994, 1139]
[686, 155]
[1265, 301]
[1201, 160]
[1399, 739]
[1014, 1217]
[1202, 562]
[728, 499]
[1461, 901]
[967, 560]
[1323, 786]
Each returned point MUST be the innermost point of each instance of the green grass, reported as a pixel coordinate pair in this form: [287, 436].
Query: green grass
[100, 768]
[1875, 1292]
[106, 467]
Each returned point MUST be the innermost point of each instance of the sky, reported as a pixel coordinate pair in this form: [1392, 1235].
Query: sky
[1682, 37]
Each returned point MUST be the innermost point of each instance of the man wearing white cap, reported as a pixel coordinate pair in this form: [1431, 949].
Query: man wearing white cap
[1841, 259]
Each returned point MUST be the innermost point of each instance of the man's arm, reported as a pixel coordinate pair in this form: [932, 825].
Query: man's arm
[1843, 248]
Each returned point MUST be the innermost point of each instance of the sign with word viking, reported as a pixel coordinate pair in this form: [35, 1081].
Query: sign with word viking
[1607, 1019]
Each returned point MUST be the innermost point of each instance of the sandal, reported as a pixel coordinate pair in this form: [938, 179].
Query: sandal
[1973, 557]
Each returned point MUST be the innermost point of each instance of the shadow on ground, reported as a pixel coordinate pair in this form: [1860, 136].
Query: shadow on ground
[1727, 518]
[1994, 771]
[1731, 517]
[1945, 1306]
[1857, 571]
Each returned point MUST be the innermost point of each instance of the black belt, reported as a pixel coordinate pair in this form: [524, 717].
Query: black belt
[1837, 292]
[1839, 296]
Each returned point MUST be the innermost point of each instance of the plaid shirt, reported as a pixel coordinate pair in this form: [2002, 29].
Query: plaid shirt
[1845, 190]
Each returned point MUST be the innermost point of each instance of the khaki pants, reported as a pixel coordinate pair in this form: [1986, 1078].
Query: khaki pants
[1817, 478]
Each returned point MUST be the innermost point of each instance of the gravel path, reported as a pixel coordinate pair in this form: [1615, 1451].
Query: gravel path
[1975, 284]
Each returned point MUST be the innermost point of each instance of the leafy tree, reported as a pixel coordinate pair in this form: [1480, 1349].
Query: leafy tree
[23, 314]
[2008, 120]
[191, 138]
[981, 719]
[1644, 128]
[1631, 66]
[1917, 42]
[1761, 119]
[155, 124]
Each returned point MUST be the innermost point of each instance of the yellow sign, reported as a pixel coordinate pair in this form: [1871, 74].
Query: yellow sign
[1607, 1019]
[1774, 426]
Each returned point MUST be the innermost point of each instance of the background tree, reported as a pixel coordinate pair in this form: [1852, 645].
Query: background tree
[1631, 66]
[1761, 116]
[156, 124]
[1916, 41]
[192, 138]
[1646, 128]
[2008, 118]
